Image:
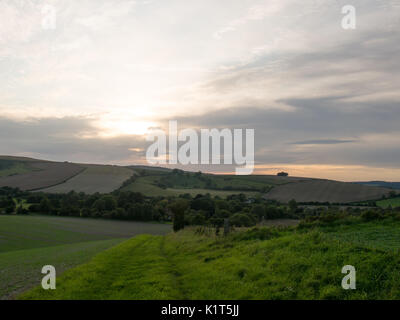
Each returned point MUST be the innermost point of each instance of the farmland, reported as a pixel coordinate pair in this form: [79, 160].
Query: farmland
[10, 168]
[325, 191]
[148, 186]
[29, 242]
[41, 174]
[288, 263]
[393, 202]
[63, 177]
[94, 178]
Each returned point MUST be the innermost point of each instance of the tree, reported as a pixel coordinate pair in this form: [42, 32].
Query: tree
[241, 220]
[258, 210]
[282, 174]
[45, 206]
[293, 205]
[178, 209]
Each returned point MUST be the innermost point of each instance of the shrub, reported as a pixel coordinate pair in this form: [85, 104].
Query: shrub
[370, 215]
[257, 234]
[178, 209]
[241, 220]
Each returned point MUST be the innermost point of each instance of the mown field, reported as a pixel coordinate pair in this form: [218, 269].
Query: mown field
[27, 243]
[95, 178]
[255, 264]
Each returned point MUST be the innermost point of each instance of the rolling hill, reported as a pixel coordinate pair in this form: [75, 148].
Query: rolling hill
[94, 178]
[384, 184]
[325, 191]
[36, 174]
[62, 177]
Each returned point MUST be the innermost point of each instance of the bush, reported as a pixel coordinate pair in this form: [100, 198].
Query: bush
[178, 209]
[241, 220]
[257, 234]
[370, 215]
[21, 210]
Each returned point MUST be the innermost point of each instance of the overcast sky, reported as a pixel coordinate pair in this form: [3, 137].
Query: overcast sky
[324, 101]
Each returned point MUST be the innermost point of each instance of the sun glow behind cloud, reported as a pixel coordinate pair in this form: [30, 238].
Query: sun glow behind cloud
[110, 128]
[130, 65]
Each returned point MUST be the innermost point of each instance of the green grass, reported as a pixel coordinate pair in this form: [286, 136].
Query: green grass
[384, 235]
[394, 202]
[27, 243]
[14, 168]
[21, 269]
[25, 232]
[291, 265]
[147, 186]
[134, 268]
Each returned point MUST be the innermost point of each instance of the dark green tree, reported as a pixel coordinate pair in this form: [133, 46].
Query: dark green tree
[178, 209]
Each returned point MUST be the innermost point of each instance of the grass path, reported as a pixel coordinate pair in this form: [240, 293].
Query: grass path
[21, 269]
[27, 243]
[186, 265]
[134, 269]
[173, 270]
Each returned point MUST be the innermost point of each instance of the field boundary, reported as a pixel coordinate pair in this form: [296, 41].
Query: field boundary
[57, 184]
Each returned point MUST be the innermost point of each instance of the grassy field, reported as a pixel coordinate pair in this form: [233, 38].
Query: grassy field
[95, 178]
[256, 264]
[8, 168]
[27, 243]
[63, 177]
[380, 236]
[394, 203]
[176, 184]
[43, 174]
[325, 191]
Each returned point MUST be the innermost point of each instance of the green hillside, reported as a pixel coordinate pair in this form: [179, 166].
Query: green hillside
[63, 177]
[10, 167]
[393, 202]
[300, 263]
[27, 243]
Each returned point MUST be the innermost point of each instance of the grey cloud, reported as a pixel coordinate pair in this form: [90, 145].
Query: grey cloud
[62, 139]
[326, 141]
[340, 131]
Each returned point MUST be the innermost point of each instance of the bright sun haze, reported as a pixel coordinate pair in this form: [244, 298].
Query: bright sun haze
[95, 76]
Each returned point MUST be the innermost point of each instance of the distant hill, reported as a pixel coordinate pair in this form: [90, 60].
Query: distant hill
[316, 190]
[62, 177]
[384, 184]
[30, 174]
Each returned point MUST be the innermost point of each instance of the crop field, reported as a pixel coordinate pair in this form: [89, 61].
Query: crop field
[394, 203]
[27, 243]
[43, 174]
[95, 178]
[325, 191]
[147, 186]
[10, 168]
[253, 264]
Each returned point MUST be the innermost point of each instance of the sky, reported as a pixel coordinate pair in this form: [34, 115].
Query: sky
[84, 81]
